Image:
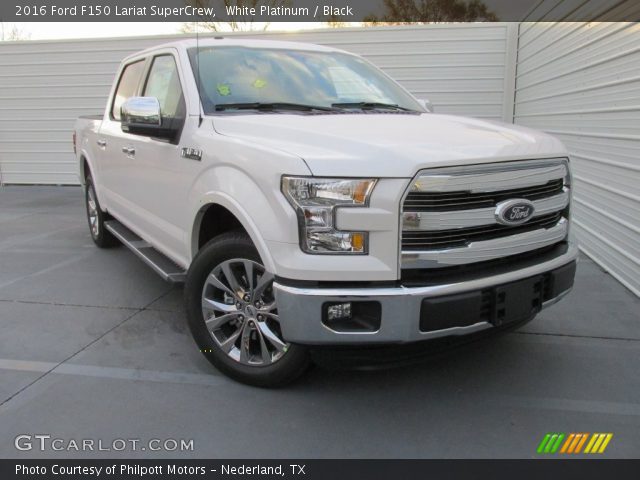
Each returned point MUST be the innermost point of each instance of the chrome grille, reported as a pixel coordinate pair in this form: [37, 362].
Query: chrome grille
[449, 215]
[461, 200]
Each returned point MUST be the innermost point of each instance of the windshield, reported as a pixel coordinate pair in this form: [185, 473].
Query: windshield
[235, 78]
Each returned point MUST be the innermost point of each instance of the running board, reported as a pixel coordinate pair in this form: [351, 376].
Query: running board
[162, 265]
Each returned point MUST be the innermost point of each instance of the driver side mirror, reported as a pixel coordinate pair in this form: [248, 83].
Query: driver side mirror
[426, 104]
[141, 116]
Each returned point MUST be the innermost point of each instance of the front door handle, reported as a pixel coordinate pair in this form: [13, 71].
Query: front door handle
[130, 151]
[101, 143]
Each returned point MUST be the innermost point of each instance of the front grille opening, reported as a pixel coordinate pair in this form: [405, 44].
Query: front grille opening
[464, 200]
[442, 239]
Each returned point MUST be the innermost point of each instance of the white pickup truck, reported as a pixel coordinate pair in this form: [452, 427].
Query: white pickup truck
[307, 199]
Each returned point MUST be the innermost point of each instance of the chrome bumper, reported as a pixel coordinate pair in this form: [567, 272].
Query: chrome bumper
[300, 309]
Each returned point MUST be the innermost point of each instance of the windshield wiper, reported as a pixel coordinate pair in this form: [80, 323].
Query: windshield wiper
[271, 106]
[369, 105]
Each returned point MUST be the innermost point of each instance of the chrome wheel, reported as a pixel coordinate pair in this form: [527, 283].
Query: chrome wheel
[92, 212]
[239, 310]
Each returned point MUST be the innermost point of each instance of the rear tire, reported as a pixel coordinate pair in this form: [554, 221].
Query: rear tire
[102, 237]
[233, 317]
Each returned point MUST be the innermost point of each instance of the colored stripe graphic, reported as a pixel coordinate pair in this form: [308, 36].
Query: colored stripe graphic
[556, 445]
[598, 443]
[581, 442]
[544, 442]
[573, 443]
[550, 443]
[594, 437]
[603, 447]
[568, 442]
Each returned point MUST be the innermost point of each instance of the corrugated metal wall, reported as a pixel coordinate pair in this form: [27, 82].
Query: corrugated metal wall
[44, 86]
[581, 82]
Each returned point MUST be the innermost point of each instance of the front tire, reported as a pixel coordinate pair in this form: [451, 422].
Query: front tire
[233, 316]
[96, 218]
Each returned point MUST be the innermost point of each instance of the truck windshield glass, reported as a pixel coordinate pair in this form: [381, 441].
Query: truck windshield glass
[246, 79]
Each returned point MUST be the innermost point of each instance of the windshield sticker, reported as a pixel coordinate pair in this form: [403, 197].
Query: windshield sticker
[224, 89]
[259, 83]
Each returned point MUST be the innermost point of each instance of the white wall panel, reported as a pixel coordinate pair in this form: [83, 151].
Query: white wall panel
[581, 82]
[44, 86]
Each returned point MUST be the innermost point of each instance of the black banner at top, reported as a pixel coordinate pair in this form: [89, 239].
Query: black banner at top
[343, 11]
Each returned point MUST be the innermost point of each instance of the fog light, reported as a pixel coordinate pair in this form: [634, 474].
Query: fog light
[358, 316]
[339, 311]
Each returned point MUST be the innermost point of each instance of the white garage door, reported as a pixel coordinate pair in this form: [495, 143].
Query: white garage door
[581, 82]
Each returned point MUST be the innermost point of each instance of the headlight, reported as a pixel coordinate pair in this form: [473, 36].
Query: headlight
[315, 201]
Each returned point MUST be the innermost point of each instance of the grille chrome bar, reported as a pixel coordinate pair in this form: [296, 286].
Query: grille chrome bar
[438, 239]
[429, 201]
[491, 178]
[487, 249]
[438, 220]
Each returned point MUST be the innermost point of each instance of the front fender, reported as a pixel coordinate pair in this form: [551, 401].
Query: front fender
[216, 198]
[261, 209]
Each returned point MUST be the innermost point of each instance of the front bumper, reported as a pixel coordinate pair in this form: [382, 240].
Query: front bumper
[410, 314]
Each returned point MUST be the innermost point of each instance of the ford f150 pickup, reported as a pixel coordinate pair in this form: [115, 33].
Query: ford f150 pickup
[307, 199]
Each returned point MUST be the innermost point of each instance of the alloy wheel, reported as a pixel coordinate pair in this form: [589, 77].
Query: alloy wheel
[92, 212]
[239, 310]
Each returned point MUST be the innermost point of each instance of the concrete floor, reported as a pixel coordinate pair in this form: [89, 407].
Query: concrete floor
[94, 346]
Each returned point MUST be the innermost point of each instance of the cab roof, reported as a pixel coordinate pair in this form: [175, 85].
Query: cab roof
[236, 42]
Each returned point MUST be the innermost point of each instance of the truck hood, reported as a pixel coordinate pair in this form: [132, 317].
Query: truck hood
[388, 145]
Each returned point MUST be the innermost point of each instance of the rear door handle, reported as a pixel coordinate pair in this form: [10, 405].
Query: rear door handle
[101, 143]
[130, 151]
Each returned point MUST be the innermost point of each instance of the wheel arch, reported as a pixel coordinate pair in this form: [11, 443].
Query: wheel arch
[84, 168]
[218, 214]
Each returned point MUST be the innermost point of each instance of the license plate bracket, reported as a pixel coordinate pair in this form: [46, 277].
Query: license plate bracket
[518, 301]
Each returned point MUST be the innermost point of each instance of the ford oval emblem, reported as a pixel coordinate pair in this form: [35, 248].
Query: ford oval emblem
[514, 212]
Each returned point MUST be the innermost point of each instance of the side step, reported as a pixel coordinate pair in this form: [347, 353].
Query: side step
[162, 265]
